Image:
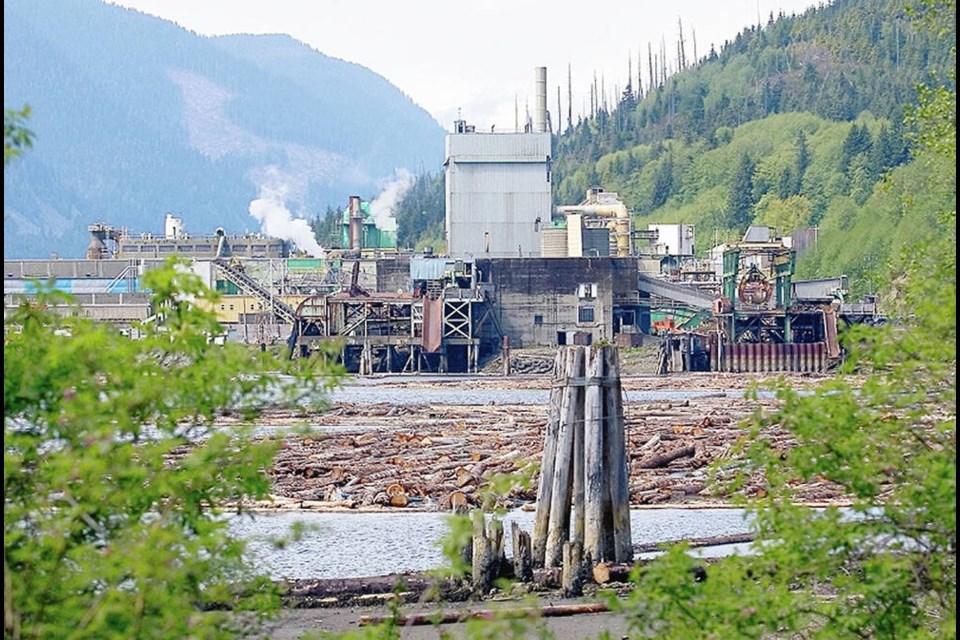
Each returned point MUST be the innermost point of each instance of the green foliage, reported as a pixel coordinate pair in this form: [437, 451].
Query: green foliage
[419, 213]
[740, 206]
[815, 100]
[16, 135]
[886, 567]
[785, 215]
[328, 230]
[115, 476]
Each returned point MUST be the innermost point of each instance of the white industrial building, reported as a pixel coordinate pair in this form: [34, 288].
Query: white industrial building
[675, 239]
[498, 187]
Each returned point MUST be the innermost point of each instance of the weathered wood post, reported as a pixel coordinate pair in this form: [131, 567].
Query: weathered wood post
[618, 466]
[558, 530]
[571, 577]
[583, 497]
[505, 350]
[522, 560]
[596, 480]
[487, 551]
[547, 466]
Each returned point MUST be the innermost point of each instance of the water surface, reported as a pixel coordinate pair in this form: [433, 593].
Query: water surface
[346, 545]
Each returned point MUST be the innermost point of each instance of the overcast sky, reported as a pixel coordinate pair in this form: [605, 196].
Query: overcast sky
[478, 57]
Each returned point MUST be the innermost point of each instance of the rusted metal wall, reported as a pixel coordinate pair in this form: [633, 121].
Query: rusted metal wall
[767, 357]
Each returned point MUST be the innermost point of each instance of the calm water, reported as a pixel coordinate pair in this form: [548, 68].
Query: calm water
[484, 396]
[344, 545]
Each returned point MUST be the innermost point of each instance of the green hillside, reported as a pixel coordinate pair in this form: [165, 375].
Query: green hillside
[797, 123]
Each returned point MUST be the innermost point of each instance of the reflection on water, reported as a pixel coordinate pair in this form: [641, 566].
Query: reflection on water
[345, 545]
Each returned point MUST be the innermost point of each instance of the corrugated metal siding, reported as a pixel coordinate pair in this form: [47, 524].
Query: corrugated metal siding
[499, 144]
[64, 268]
[502, 200]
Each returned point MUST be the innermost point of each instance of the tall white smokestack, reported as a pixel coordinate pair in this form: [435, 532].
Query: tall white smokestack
[540, 113]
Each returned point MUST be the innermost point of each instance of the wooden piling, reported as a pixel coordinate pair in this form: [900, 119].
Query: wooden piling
[487, 552]
[583, 498]
[522, 558]
[547, 466]
[558, 529]
[579, 480]
[615, 448]
[571, 580]
[595, 485]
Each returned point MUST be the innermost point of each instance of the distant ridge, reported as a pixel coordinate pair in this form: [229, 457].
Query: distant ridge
[135, 116]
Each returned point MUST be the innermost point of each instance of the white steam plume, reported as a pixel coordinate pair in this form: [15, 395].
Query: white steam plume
[383, 205]
[276, 221]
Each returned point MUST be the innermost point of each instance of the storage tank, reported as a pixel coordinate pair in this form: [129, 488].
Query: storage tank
[553, 242]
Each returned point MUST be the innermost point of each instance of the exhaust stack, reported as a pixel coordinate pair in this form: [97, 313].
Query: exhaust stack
[356, 224]
[540, 113]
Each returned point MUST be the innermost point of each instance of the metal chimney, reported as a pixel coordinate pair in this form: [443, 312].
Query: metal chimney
[540, 112]
[356, 224]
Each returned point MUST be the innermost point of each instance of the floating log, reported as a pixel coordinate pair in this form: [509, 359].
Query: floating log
[694, 543]
[470, 475]
[650, 444]
[458, 502]
[399, 500]
[662, 460]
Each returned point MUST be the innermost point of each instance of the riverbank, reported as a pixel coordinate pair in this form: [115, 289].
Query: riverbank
[513, 617]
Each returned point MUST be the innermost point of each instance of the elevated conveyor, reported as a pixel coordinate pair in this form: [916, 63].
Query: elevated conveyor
[683, 294]
[251, 287]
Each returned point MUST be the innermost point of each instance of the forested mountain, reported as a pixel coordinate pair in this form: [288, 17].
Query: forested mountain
[135, 116]
[799, 122]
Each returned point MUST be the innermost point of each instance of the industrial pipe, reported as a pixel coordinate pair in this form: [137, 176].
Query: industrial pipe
[355, 224]
[221, 240]
[618, 212]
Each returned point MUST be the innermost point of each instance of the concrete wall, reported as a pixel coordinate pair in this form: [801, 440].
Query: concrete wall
[539, 298]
